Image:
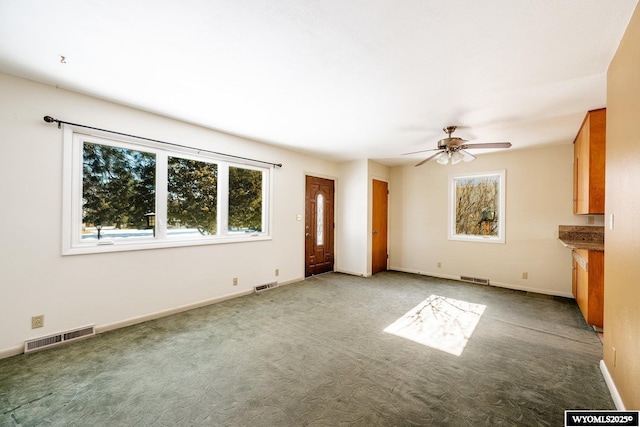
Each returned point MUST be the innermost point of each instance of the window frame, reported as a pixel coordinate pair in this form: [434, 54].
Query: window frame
[501, 210]
[72, 244]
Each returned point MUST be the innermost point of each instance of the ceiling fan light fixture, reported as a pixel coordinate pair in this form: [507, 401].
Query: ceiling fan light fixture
[443, 158]
[456, 157]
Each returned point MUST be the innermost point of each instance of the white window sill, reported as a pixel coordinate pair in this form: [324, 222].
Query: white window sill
[106, 246]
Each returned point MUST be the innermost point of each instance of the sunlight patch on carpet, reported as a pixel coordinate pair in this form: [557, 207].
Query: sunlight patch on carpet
[439, 322]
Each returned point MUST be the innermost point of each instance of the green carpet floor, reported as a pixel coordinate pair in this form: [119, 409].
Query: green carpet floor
[315, 353]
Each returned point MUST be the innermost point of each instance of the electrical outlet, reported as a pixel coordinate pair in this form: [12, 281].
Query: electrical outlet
[439, 265]
[235, 281]
[277, 271]
[525, 275]
[37, 321]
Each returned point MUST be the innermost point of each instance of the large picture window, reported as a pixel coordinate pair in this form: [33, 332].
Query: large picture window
[129, 195]
[476, 207]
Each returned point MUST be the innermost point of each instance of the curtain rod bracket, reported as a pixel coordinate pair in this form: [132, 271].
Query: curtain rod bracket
[50, 119]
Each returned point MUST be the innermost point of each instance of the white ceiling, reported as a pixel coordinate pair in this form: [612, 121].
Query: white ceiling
[339, 79]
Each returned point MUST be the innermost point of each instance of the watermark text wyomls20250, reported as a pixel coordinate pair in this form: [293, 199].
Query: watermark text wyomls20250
[601, 418]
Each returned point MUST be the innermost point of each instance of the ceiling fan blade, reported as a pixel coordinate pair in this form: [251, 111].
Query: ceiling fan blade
[421, 151]
[429, 158]
[488, 145]
[468, 157]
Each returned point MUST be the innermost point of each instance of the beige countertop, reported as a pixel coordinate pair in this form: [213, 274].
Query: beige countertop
[590, 238]
[579, 244]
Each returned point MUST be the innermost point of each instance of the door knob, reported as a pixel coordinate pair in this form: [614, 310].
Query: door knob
[374, 232]
[307, 235]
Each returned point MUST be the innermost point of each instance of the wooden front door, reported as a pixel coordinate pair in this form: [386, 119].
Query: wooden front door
[379, 222]
[319, 226]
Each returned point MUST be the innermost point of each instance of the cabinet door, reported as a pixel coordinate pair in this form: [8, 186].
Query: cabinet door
[596, 289]
[597, 160]
[589, 164]
[575, 177]
[582, 283]
[574, 278]
[588, 285]
[581, 170]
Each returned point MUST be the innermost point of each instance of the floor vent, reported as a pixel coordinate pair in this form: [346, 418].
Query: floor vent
[59, 338]
[474, 280]
[266, 286]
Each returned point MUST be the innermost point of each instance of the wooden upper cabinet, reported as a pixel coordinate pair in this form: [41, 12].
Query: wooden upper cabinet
[589, 164]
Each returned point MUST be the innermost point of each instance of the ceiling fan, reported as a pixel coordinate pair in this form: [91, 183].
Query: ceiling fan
[453, 149]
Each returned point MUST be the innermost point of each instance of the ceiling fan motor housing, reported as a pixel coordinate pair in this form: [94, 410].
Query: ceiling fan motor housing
[451, 143]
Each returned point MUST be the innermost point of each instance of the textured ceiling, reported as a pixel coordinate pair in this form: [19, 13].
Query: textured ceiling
[339, 79]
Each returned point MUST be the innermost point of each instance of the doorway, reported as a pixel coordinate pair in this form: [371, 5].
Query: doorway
[319, 226]
[379, 221]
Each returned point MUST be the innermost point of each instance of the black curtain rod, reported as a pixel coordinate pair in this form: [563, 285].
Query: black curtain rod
[50, 119]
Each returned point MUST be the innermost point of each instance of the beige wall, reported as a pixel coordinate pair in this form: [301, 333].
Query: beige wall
[622, 243]
[351, 214]
[538, 199]
[111, 289]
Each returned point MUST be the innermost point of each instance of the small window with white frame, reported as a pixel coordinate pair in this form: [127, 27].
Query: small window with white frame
[476, 207]
[125, 194]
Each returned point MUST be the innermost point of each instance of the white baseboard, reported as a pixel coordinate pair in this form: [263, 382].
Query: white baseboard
[352, 273]
[491, 282]
[617, 400]
[289, 282]
[425, 273]
[531, 289]
[10, 352]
